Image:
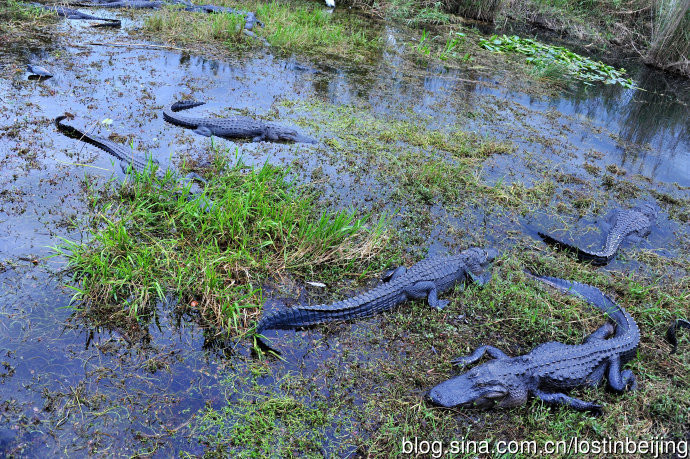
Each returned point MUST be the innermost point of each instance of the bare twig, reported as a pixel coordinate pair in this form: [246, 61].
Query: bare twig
[136, 45]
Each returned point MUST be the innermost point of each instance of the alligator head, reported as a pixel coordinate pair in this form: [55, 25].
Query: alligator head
[649, 210]
[477, 260]
[481, 387]
[275, 132]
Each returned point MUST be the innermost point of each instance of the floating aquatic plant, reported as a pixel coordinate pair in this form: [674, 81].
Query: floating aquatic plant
[542, 55]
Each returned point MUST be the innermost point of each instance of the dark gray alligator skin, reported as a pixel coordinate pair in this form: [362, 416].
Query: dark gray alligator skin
[552, 368]
[125, 155]
[249, 23]
[230, 128]
[69, 13]
[426, 279]
[633, 222]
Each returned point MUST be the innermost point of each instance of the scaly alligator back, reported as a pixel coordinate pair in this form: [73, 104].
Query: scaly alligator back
[437, 274]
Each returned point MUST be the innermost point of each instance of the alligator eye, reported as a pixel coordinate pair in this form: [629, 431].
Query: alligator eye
[495, 394]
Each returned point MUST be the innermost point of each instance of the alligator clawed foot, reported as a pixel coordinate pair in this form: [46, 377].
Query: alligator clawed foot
[596, 410]
[460, 361]
[442, 304]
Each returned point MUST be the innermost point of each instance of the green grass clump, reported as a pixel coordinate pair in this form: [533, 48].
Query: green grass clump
[185, 27]
[21, 23]
[152, 243]
[293, 27]
[415, 14]
[416, 163]
[312, 29]
[12, 10]
[548, 56]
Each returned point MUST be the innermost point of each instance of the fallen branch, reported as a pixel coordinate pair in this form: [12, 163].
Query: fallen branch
[136, 45]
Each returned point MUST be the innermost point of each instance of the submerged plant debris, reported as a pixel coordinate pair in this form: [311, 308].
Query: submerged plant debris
[542, 55]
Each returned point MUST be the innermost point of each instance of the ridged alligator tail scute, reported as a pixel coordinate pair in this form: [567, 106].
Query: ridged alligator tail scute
[552, 368]
[125, 156]
[426, 279]
[185, 105]
[671, 332]
[635, 222]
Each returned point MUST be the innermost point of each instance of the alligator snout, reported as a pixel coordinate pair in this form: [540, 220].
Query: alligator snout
[491, 254]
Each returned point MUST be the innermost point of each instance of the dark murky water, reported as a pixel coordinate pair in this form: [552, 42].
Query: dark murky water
[69, 390]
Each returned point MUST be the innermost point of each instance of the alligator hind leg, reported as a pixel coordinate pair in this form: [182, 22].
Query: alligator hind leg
[600, 333]
[561, 399]
[393, 274]
[620, 381]
[203, 130]
[426, 289]
[478, 353]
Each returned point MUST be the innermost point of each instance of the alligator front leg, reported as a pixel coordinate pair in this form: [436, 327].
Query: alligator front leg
[558, 398]
[478, 353]
[620, 381]
[482, 279]
[426, 289]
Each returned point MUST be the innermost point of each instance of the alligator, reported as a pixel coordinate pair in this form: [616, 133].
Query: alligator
[635, 223]
[134, 4]
[249, 23]
[238, 127]
[250, 19]
[426, 279]
[551, 368]
[69, 13]
[128, 161]
[671, 332]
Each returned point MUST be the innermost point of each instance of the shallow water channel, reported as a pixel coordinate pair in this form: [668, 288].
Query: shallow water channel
[70, 389]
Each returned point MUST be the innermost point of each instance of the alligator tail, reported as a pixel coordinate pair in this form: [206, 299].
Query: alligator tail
[185, 105]
[593, 296]
[582, 255]
[671, 332]
[170, 117]
[288, 319]
[136, 162]
[75, 133]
